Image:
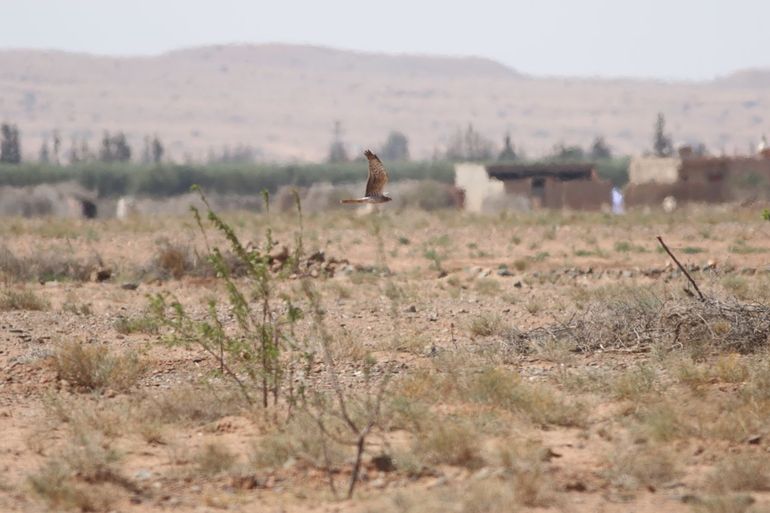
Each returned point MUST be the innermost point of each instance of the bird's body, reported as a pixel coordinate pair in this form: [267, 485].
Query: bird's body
[378, 177]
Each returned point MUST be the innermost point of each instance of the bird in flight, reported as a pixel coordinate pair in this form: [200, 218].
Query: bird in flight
[378, 177]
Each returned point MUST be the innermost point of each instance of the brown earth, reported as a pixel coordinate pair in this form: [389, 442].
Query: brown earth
[284, 99]
[641, 429]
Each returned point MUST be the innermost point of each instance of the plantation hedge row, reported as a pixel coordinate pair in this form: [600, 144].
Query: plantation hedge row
[171, 179]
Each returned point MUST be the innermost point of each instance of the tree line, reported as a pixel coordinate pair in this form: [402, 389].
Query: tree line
[466, 144]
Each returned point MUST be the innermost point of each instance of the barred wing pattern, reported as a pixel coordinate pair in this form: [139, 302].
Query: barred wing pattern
[378, 177]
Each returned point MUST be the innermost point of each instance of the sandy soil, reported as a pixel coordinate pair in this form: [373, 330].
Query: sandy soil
[645, 430]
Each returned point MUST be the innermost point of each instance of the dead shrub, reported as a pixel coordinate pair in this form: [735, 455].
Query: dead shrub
[637, 319]
[174, 261]
[91, 367]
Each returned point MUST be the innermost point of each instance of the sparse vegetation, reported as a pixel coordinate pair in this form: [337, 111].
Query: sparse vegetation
[498, 386]
[22, 299]
[95, 367]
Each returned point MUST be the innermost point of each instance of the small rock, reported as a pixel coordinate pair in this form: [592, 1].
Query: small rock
[383, 463]
[143, 474]
[411, 309]
[379, 483]
[102, 274]
[754, 440]
[318, 256]
[129, 286]
[245, 482]
[576, 486]
[279, 254]
[482, 474]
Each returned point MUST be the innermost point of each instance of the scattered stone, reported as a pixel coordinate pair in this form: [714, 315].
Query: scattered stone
[143, 474]
[249, 482]
[411, 309]
[379, 483]
[383, 463]
[754, 440]
[318, 256]
[576, 486]
[279, 254]
[129, 286]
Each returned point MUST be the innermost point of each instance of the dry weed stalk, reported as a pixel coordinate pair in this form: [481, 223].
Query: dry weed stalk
[315, 404]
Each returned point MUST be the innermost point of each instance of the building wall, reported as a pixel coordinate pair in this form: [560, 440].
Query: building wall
[653, 169]
[694, 191]
[577, 194]
[478, 187]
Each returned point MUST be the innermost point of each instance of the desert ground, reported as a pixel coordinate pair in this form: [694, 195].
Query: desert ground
[547, 361]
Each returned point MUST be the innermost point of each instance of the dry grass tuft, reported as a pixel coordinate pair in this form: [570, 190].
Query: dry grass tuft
[84, 476]
[91, 367]
[486, 325]
[642, 466]
[23, 299]
[741, 473]
[192, 405]
[215, 458]
[147, 324]
[449, 441]
[504, 389]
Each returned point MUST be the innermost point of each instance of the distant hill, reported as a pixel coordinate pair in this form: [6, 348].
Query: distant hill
[284, 99]
[755, 78]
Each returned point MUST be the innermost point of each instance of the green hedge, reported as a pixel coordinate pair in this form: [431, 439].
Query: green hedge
[119, 179]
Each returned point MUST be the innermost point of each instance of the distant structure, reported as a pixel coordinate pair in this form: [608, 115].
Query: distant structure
[67, 200]
[526, 186]
[693, 178]
[126, 208]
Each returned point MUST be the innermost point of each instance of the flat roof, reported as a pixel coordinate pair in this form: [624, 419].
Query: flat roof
[562, 171]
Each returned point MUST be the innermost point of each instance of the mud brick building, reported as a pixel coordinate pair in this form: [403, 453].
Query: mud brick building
[698, 179]
[532, 185]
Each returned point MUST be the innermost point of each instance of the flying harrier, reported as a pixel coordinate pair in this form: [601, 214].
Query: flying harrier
[378, 177]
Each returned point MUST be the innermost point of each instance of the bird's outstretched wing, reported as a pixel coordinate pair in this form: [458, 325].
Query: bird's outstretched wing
[378, 177]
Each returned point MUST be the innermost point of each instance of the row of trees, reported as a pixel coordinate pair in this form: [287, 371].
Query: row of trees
[464, 145]
[112, 148]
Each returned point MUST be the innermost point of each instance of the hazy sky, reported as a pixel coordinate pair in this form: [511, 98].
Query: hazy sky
[690, 39]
